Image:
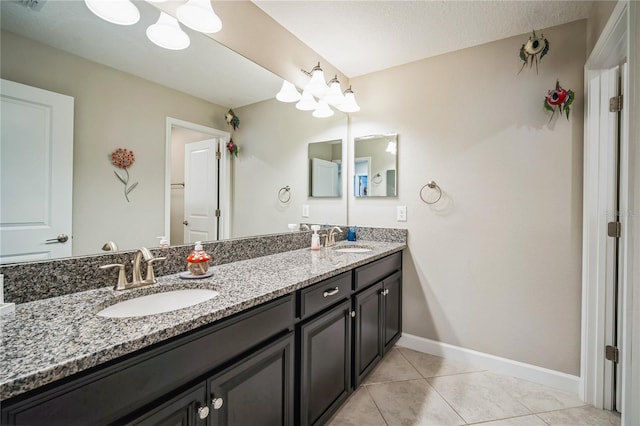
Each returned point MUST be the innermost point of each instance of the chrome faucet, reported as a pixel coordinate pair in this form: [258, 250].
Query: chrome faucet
[136, 279]
[331, 236]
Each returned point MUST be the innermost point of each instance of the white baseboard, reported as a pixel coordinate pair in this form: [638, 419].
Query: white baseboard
[532, 373]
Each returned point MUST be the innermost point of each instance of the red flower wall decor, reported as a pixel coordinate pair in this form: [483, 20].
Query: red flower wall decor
[123, 159]
[559, 100]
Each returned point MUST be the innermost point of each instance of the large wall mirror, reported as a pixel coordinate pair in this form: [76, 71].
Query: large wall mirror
[125, 89]
[375, 167]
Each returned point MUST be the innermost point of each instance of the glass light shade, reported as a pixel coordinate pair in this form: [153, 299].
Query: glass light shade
[317, 86]
[199, 15]
[121, 12]
[349, 104]
[323, 110]
[288, 93]
[391, 148]
[334, 96]
[306, 103]
[168, 34]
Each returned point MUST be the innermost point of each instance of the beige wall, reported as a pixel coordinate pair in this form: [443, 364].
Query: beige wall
[273, 142]
[495, 266]
[600, 13]
[112, 109]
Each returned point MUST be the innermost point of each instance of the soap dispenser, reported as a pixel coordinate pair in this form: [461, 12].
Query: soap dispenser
[198, 260]
[315, 238]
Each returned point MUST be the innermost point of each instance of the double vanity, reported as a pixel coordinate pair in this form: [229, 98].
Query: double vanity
[284, 339]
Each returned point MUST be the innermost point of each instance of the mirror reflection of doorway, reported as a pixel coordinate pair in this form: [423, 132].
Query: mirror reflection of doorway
[198, 196]
[362, 171]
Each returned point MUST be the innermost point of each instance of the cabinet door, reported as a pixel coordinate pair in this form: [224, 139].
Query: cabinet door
[257, 390]
[325, 364]
[392, 310]
[368, 331]
[187, 409]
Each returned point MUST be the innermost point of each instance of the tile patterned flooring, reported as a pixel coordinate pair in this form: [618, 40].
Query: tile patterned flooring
[413, 388]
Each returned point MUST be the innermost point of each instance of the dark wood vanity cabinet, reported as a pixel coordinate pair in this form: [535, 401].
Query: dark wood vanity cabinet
[290, 361]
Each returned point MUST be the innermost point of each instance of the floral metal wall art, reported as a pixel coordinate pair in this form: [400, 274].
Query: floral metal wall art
[233, 121]
[559, 100]
[533, 50]
[123, 159]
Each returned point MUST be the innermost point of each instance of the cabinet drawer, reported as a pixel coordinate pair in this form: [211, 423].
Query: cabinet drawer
[375, 271]
[323, 294]
[109, 393]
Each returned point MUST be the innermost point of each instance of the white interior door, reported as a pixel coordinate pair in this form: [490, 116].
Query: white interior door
[324, 178]
[200, 191]
[36, 173]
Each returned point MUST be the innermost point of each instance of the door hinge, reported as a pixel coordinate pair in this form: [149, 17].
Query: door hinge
[218, 155]
[615, 104]
[218, 213]
[614, 229]
[611, 353]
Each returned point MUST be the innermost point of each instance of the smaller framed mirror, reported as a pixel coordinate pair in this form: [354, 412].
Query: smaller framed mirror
[376, 166]
[325, 169]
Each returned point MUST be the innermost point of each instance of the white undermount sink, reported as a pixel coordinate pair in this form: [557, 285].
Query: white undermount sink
[353, 249]
[158, 303]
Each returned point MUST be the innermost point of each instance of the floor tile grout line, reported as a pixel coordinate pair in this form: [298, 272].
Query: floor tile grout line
[436, 356]
[375, 403]
[541, 419]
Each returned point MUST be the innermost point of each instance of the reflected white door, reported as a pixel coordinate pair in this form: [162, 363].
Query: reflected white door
[36, 173]
[324, 178]
[200, 191]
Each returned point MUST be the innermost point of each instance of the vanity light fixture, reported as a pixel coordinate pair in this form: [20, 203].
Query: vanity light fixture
[199, 15]
[349, 104]
[120, 12]
[323, 110]
[307, 102]
[316, 86]
[288, 93]
[168, 34]
[334, 96]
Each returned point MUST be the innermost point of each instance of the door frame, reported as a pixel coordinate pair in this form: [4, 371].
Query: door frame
[225, 175]
[617, 43]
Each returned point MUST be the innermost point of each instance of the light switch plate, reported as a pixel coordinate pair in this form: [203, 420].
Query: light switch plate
[401, 214]
[305, 210]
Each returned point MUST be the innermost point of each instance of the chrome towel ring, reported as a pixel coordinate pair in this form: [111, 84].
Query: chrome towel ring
[284, 195]
[432, 185]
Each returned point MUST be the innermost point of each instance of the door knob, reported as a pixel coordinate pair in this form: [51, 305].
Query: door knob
[185, 222]
[62, 238]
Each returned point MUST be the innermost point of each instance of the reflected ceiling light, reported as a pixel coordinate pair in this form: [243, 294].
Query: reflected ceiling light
[349, 104]
[316, 86]
[168, 34]
[121, 12]
[306, 103]
[323, 110]
[199, 15]
[334, 96]
[288, 93]
[391, 148]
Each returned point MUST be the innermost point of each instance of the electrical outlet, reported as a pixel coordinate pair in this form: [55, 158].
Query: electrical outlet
[305, 210]
[401, 214]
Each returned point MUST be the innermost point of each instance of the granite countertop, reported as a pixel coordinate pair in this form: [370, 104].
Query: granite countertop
[49, 339]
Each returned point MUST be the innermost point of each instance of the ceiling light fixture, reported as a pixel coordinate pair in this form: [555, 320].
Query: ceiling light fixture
[168, 34]
[199, 15]
[288, 93]
[120, 12]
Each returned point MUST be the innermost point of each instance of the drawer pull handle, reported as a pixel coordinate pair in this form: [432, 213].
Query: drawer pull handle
[331, 292]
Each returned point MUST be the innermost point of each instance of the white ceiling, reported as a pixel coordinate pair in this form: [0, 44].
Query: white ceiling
[360, 37]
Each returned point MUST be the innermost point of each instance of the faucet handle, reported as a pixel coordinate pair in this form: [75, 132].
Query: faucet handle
[151, 277]
[122, 276]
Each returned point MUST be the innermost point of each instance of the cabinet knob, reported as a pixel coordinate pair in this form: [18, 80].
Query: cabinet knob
[203, 412]
[217, 403]
[353, 314]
